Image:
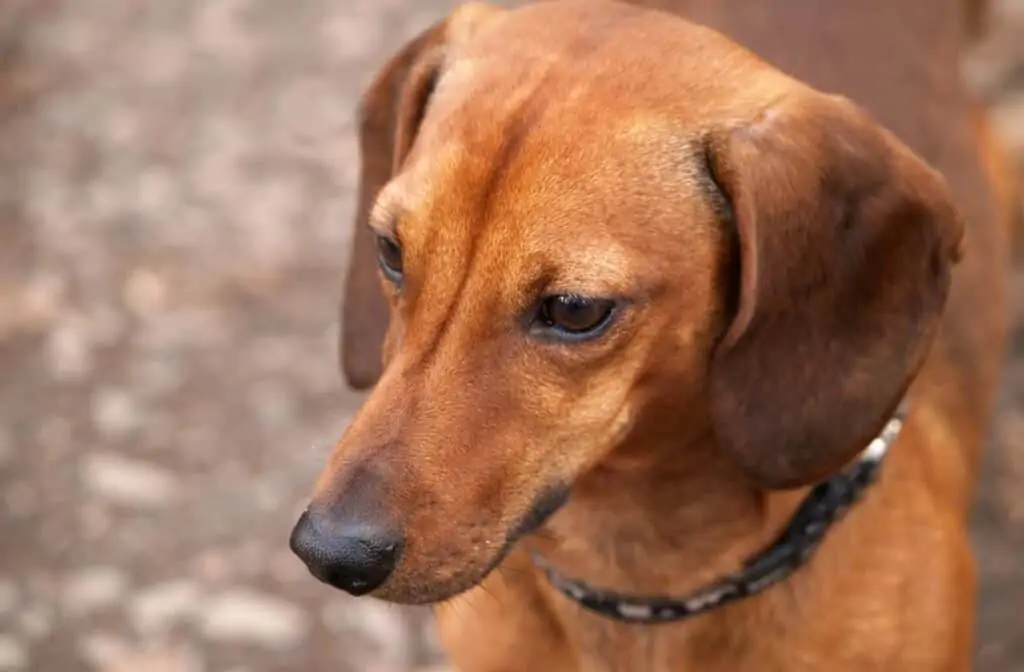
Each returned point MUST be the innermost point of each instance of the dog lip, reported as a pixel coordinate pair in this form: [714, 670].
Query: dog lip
[547, 503]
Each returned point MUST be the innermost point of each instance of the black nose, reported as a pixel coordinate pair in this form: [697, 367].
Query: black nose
[355, 556]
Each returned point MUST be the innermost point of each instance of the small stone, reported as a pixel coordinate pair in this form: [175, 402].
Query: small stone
[42, 298]
[160, 660]
[69, 352]
[267, 496]
[286, 568]
[41, 585]
[115, 413]
[212, 567]
[376, 622]
[156, 191]
[145, 292]
[36, 621]
[349, 36]
[21, 500]
[6, 446]
[272, 405]
[128, 482]
[337, 616]
[55, 436]
[111, 654]
[102, 650]
[386, 626]
[53, 534]
[264, 212]
[122, 127]
[13, 655]
[160, 607]
[107, 324]
[8, 597]
[249, 561]
[94, 520]
[244, 616]
[219, 32]
[92, 589]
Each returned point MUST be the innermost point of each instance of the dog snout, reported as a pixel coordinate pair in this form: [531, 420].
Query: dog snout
[352, 554]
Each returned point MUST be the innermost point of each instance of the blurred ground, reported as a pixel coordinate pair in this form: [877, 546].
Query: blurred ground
[175, 189]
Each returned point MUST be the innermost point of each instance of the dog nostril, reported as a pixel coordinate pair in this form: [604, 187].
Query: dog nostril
[356, 557]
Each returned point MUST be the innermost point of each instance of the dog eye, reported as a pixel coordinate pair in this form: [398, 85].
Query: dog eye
[389, 257]
[574, 315]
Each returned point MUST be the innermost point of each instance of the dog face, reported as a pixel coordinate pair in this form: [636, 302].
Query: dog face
[591, 224]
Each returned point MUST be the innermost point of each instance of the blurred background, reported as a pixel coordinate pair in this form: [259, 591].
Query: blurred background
[176, 189]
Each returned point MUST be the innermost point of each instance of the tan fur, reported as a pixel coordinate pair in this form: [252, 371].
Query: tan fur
[784, 268]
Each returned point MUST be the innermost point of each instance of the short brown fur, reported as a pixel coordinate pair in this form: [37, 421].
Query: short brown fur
[788, 270]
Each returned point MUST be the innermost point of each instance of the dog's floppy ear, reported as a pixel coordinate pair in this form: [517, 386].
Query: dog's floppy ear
[390, 114]
[845, 243]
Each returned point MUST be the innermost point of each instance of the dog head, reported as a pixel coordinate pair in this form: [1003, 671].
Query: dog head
[586, 221]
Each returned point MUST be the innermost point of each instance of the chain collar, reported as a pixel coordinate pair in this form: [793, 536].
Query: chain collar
[824, 505]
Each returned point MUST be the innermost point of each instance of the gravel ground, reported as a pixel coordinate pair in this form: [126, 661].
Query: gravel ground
[176, 183]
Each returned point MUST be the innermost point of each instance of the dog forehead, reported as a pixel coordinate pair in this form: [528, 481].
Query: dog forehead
[544, 171]
[586, 67]
[510, 139]
[531, 177]
[561, 113]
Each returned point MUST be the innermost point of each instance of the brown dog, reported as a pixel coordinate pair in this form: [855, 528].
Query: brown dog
[644, 290]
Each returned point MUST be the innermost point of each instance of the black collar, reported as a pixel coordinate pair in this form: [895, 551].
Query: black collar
[824, 505]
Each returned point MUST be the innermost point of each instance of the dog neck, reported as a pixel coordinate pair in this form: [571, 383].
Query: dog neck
[710, 517]
[800, 536]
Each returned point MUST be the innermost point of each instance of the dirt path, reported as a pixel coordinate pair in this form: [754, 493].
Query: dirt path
[176, 181]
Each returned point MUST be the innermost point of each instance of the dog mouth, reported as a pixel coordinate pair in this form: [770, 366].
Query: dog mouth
[545, 505]
[471, 575]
